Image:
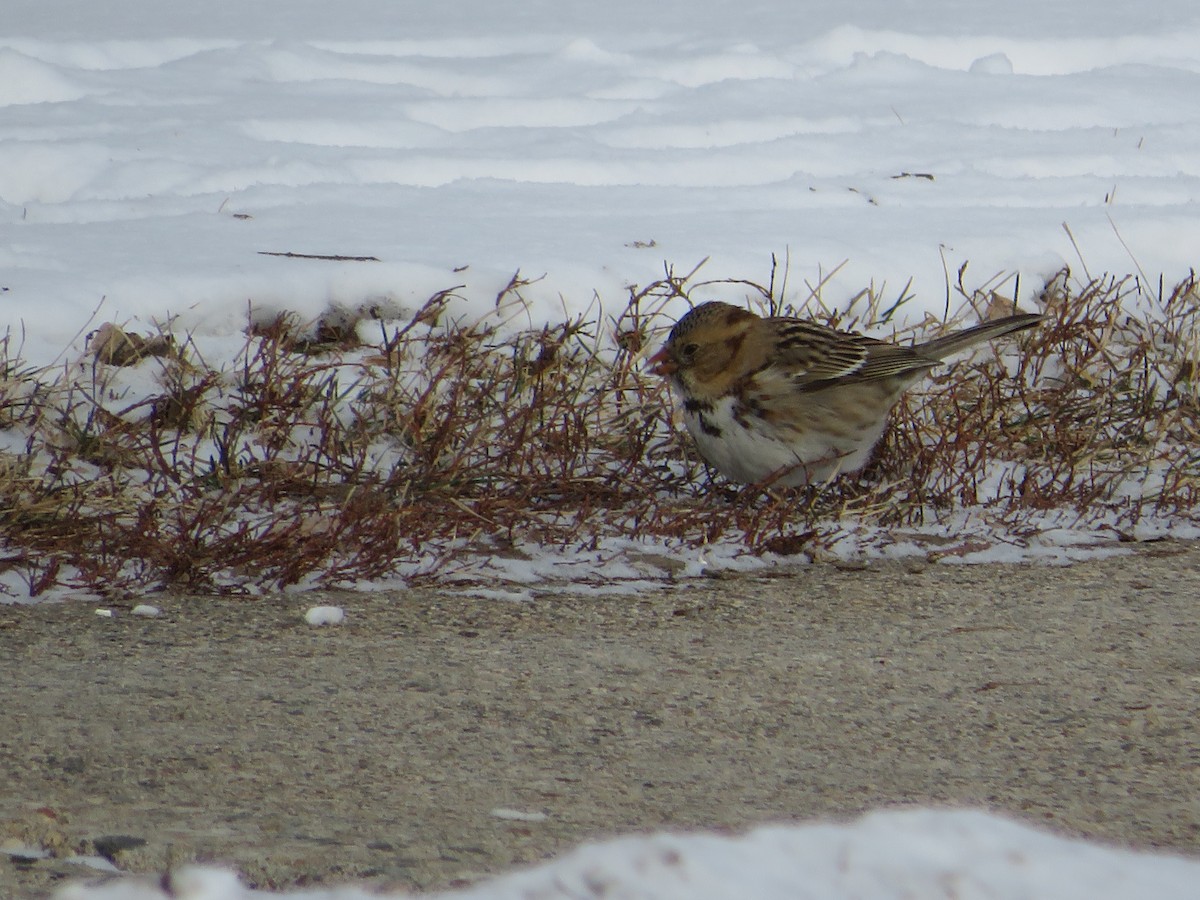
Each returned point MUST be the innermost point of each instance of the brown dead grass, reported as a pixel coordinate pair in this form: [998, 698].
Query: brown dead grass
[343, 450]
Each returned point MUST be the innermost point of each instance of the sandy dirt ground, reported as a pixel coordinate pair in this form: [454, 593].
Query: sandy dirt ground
[400, 747]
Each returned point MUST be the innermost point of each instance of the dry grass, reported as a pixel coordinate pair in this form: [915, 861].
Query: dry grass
[348, 448]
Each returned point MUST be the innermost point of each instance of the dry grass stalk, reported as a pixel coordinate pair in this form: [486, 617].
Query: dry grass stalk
[321, 461]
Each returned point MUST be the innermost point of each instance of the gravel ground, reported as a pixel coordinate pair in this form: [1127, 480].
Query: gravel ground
[400, 747]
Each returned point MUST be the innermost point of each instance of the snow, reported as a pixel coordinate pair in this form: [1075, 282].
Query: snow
[325, 615]
[884, 856]
[150, 151]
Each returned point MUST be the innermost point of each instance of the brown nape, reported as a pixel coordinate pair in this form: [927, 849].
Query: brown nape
[735, 314]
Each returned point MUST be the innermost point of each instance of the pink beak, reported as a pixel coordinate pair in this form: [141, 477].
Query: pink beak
[662, 364]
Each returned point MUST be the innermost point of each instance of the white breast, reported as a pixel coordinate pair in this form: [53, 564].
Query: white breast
[815, 448]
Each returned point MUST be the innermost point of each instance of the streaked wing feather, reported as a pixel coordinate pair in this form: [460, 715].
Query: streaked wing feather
[812, 352]
[815, 356]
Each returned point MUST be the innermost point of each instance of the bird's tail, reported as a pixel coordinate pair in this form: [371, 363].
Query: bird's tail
[939, 348]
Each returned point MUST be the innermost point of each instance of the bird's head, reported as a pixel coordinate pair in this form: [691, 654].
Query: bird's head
[708, 349]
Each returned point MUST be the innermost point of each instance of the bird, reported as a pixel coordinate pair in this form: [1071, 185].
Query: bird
[793, 402]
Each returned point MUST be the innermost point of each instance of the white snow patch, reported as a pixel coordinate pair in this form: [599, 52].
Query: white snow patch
[24, 79]
[892, 855]
[325, 615]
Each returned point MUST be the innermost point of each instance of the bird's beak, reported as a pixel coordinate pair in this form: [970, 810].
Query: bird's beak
[662, 364]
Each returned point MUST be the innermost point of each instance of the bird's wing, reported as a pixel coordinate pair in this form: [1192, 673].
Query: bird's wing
[814, 356]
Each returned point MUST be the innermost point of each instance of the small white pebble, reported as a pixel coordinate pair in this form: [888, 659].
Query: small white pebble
[145, 609]
[92, 862]
[325, 615]
[516, 815]
[13, 847]
[106, 613]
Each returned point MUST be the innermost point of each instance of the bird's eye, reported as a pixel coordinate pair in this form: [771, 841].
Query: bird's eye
[687, 351]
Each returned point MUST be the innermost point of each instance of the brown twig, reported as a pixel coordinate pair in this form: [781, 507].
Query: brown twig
[332, 258]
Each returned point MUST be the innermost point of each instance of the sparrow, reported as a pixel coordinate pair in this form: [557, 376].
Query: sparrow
[791, 400]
